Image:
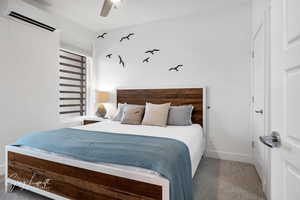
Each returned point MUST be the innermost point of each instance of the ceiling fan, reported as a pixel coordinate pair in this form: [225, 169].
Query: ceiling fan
[108, 4]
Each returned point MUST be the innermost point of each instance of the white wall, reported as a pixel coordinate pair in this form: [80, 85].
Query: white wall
[214, 47]
[4, 57]
[75, 37]
[29, 76]
[258, 11]
[29, 81]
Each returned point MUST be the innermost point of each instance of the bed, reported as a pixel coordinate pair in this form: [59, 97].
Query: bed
[76, 179]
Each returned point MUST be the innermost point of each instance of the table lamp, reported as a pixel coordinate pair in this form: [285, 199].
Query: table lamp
[102, 97]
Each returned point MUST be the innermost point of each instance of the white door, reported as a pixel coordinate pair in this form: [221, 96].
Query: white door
[259, 65]
[285, 98]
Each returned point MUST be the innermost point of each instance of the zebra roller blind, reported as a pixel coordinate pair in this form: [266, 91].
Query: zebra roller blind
[72, 84]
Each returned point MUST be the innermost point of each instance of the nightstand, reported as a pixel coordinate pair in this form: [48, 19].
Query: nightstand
[92, 120]
[88, 121]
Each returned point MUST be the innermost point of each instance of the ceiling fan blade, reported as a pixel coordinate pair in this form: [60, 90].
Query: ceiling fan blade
[106, 8]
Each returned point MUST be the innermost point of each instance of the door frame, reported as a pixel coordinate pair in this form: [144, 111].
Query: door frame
[266, 24]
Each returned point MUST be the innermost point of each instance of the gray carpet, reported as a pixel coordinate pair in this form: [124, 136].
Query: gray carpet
[214, 180]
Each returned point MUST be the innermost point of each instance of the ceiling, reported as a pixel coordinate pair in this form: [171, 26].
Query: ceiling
[132, 12]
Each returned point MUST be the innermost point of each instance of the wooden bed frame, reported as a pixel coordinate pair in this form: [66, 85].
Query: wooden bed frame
[65, 178]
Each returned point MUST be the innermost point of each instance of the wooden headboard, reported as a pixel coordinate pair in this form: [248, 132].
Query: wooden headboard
[182, 96]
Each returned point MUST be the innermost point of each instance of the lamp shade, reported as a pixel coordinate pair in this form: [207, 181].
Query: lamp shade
[102, 96]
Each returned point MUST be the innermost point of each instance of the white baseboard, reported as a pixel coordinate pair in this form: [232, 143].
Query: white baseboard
[230, 156]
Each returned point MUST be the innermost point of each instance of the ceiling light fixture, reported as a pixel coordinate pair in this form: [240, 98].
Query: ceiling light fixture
[115, 1]
[108, 4]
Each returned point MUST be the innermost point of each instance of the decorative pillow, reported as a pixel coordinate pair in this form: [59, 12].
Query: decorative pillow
[134, 106]
[156, 114]
[121, 109]
[119, 114]
[180, 115]
[133, 115]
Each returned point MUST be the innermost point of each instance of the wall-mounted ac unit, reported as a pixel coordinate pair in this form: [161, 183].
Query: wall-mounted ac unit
[21, 11]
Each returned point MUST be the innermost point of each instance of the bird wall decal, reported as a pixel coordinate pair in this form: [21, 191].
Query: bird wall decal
[146, 60]
[101, 36]
[108, 55]
[127, 37]
[177, 68]
[152, 51]
[121, 62]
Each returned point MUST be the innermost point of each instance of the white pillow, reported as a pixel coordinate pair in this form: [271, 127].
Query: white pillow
[118, 116]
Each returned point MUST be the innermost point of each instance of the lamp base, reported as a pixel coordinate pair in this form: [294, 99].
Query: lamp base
[101, 112]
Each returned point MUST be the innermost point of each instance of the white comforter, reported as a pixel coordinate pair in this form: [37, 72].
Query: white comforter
[192, 136]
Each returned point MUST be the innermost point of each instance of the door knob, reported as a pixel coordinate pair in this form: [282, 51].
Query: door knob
[259, 111]
[272, 141]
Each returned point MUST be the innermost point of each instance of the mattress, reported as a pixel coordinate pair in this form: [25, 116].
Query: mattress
[192, 136]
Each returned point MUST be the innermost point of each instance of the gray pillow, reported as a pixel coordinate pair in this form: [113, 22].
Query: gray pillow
[180, 115]
[120, 111]
[133, 115]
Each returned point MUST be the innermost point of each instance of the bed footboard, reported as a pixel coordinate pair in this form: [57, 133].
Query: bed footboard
[70, 182]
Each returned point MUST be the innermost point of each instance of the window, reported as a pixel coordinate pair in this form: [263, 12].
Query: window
[72, 84]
